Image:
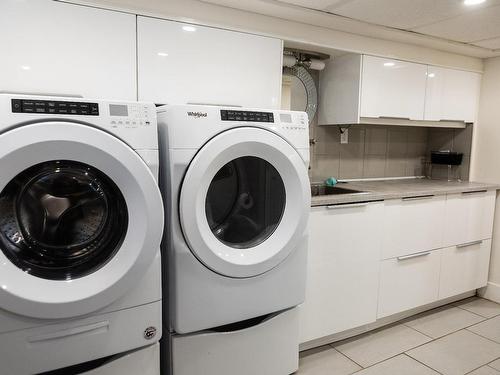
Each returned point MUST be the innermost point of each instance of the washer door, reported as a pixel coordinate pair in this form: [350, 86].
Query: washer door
[81, 219]
[244, 202]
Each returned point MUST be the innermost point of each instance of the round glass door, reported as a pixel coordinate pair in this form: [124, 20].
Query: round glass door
[61, 220]
[245, 202]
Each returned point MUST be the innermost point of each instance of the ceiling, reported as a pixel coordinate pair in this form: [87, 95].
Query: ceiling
[475, 27]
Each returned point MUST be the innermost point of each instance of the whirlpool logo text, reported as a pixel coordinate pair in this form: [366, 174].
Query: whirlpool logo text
[197, 114]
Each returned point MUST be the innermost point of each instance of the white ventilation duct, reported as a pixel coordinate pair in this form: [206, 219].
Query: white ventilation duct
[314, 64]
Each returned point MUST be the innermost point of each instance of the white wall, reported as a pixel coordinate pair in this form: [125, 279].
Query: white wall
[486, 157]
[295, 33]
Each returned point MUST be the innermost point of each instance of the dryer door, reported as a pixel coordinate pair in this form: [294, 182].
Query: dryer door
[244, 202]
[80, 219]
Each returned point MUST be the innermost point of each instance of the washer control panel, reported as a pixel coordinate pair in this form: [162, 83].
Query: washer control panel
[129, 115]
[295, 121]
[249, 116]
[55, 107]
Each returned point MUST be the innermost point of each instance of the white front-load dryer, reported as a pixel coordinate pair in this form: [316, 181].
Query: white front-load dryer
[81, 221]
[237, 196]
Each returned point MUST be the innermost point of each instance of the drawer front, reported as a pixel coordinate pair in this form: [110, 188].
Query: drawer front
[413, 225]
[343, 269]
[469, 217]
[408, 282]
[464, 268]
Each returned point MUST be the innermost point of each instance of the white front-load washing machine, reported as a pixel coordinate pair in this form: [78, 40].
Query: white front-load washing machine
[237, 198]
[81, 221]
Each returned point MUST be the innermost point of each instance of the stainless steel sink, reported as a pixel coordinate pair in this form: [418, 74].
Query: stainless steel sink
[319, 190]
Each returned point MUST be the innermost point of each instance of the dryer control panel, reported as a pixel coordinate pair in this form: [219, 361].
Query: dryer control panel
[55, 107]
[250, 116]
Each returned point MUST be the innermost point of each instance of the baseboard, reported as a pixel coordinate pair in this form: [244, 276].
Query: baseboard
[491, 292]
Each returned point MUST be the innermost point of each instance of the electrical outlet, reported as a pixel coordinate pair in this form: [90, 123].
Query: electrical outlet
[344, 137]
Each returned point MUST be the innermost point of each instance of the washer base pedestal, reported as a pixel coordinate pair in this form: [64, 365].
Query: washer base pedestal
[270, 347]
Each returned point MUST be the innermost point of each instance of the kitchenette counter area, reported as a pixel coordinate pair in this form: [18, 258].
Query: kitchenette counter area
[395, 189]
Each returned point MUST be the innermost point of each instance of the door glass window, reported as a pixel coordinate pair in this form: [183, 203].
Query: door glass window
[61, 220]
[245, 202]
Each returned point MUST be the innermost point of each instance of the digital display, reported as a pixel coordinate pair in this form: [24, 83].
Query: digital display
[118, 110]
[286, 117]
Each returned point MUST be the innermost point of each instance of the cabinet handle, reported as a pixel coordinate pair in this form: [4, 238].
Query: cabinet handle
[474, 191]
[418, 197]
[469, 244]
[348, 205]
[412, 256]
[451, 120]
[394, 118]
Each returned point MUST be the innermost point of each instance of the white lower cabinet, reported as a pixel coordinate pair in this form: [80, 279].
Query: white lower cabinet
[408, 282]
[464, 268]
[343, 269]
[369, 261]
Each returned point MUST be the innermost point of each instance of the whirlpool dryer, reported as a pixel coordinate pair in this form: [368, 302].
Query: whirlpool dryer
[237, 195]
[81, 221]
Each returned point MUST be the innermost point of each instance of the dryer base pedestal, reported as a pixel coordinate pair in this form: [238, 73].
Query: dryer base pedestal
[270, 347]
[145, 361]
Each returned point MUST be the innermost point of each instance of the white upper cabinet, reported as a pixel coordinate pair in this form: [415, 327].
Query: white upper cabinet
[57, 48]
[451, 94]
[392, 88]
[373, 90]
[182, 63]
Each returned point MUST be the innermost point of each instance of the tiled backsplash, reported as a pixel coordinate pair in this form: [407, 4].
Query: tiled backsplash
[375, 151]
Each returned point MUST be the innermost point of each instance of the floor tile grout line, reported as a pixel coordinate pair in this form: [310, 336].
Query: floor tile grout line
[449, 333]
[434, 340]
[350, 359]
[492, 366]
[422, 363]
[482, 316]
[386, 359]
[488, 365]
[484, 337]
[414, 329]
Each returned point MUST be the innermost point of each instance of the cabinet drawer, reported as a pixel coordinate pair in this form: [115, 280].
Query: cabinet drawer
[469, 217]
[413, 225]
[408, 282]
[464, 268]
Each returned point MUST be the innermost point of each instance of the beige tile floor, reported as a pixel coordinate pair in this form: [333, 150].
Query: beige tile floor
[457, 339]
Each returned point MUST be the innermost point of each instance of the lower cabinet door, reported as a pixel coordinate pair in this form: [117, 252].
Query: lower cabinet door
[343, 269]
[464, 268]
[408, 282]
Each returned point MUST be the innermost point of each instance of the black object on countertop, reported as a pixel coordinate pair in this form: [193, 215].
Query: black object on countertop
[446, 157]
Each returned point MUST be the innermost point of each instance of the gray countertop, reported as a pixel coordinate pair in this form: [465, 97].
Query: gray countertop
[394, 189]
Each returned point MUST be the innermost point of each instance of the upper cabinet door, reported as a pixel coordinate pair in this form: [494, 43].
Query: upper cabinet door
[56, 48]
[451, 94]
[181, 63]
[392, 88]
